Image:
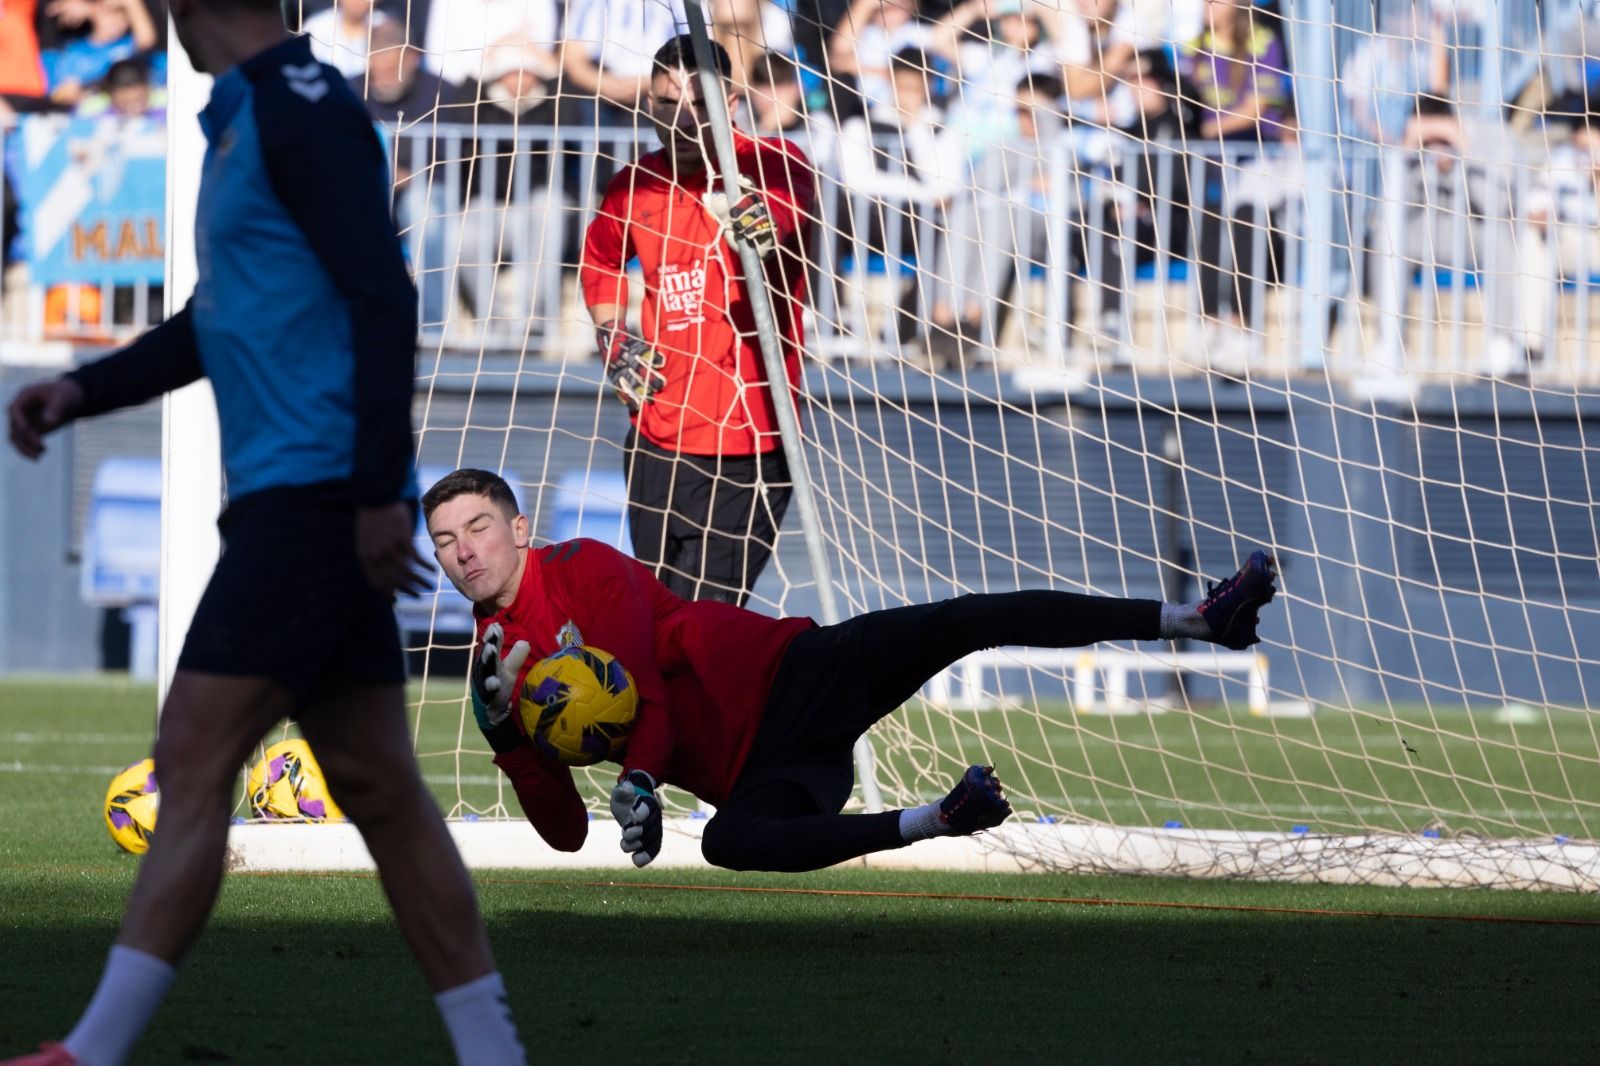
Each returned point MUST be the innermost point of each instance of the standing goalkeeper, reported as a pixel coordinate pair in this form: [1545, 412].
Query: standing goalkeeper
[304, 320]
[707, 480]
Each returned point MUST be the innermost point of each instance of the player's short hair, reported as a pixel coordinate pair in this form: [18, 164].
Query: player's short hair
[469, 481]
[678, 54]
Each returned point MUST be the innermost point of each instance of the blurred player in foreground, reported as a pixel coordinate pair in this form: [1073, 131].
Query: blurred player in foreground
[304, 319]
[752, 714]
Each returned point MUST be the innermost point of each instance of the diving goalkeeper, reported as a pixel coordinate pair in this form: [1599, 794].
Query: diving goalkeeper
[755, 715]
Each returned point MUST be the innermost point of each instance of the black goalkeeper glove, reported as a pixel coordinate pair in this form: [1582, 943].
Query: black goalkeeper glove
[632, 366]
[636, 809]
[494, 689]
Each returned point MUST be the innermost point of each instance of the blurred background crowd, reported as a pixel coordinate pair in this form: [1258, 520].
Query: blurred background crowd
[1004, 181]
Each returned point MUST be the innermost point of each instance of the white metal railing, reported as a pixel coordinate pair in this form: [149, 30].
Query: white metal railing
[1125, 249]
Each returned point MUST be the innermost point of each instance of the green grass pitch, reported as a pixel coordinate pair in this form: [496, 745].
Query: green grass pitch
[607, 967]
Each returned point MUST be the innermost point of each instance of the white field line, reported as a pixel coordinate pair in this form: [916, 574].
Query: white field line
[16, 767]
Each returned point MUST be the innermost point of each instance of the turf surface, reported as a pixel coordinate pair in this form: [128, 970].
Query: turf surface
[605, 967]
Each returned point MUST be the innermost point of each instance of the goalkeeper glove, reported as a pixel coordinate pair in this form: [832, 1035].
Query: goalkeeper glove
[748, 221]
[494, 687]
[632, 366]
[636, 809]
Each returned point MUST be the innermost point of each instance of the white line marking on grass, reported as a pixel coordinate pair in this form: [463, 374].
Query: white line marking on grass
[18, 767]
[76, 738]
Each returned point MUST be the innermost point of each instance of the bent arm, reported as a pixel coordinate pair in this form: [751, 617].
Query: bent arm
[165, 358]
[548, 797]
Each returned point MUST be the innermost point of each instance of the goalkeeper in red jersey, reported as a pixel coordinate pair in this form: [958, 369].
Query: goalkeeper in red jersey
[754, 715]
[707, 481]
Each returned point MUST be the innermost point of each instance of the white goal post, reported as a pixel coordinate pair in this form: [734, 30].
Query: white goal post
[1101, 299]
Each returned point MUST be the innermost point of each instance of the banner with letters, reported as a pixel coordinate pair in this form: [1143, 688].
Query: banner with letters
[93, 199]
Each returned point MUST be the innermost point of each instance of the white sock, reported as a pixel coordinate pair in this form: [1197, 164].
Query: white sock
[479, 1020]
[1183, 620]
[920, 823]
[132, 987]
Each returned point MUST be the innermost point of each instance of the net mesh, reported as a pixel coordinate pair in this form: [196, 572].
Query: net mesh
[1103, 296]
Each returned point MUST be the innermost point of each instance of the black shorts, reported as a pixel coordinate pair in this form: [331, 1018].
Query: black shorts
[816, 710]
[705, 524]
[288, 600]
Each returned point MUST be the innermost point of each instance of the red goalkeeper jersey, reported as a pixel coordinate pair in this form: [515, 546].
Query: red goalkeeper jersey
[696, 307]
[703, 670]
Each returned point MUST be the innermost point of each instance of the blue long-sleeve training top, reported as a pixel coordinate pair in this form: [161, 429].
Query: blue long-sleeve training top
[304, 317]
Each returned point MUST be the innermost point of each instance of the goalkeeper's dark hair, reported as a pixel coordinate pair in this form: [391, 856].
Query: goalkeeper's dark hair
[678, 54]
[469, 481]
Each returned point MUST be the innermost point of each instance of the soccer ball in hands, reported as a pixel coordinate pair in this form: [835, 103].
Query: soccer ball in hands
[131, 804]
[287, 783]
[578, 706]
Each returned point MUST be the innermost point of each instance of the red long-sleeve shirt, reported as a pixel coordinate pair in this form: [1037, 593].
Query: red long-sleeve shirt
[703, 670]
[696, 308]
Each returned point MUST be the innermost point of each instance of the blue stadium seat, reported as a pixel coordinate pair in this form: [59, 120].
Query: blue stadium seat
[592, 504]
[122, 534]
[122, 551]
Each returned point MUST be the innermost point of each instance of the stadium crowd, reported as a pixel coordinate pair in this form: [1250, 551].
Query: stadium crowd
[968, 148]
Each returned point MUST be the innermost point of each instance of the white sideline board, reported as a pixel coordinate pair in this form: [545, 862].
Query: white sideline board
[1397, 860]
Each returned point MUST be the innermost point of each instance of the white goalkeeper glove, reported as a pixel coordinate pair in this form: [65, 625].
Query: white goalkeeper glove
[636, 809]
[749, 220]
[494, 688]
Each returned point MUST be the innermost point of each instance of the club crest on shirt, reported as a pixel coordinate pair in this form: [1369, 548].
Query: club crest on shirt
[568, 636]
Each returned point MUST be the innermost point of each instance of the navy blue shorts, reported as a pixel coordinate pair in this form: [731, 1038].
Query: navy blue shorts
[288, 600]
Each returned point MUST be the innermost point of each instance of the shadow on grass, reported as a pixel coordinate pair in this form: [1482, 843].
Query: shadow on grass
[624, 976]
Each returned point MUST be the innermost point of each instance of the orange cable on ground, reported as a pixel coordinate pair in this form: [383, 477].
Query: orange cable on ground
[1236, 908]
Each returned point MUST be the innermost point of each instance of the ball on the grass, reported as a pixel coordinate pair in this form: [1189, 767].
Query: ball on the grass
[131, 804]
[578, 706]
[287, 783]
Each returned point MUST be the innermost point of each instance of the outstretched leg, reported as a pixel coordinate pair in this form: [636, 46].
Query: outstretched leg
[899, 649]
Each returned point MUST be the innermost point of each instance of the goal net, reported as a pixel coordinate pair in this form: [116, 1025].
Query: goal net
[1103, 295]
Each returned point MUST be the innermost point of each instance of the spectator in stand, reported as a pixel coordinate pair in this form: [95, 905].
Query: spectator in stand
[906, 165]
[410, 101]
[776, 100]
[1236, 77]
[512, 232]
[1119, 89]
[1025, 177]
[748, 30]
[339, 35]
[463, 34]
[399, 91]
[1396, 89]
[1396, 83]
[21, 69]
[125, 92]
[989, 46]
[865, 42]
[607, 53]
[117, 29]
[1559, 244]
